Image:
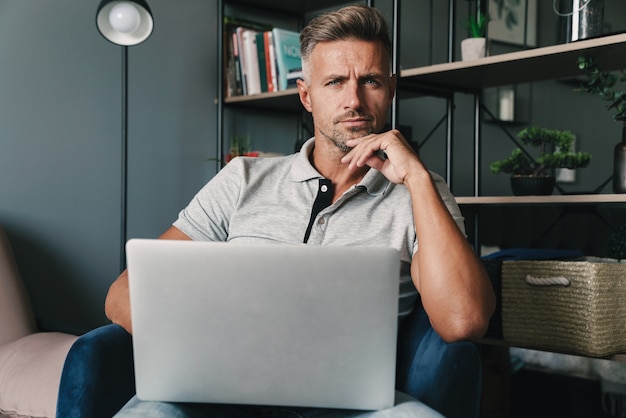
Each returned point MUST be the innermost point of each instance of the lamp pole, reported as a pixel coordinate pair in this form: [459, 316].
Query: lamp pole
[124, 23]
[124, 174]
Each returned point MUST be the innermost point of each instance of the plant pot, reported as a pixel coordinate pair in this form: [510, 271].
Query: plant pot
[532, 185]
[473, 48]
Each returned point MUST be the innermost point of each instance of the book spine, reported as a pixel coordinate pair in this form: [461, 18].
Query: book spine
[251, 59]
[242, 61]
[269, 56]
[260, 47]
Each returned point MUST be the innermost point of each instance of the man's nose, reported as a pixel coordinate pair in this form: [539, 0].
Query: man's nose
[353, 97]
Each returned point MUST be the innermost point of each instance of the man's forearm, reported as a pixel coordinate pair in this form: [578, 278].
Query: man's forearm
[117, 303]
[455, 290]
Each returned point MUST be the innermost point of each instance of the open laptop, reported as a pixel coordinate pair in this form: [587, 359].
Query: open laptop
[264, 324]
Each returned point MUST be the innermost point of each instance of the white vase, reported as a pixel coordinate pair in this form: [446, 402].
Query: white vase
[473, 48]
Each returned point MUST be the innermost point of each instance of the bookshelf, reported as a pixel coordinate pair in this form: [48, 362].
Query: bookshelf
[555, 62]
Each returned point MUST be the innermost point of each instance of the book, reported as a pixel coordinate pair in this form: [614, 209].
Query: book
[242, 64]
[262, 58]
[272, 82]
[288, 60]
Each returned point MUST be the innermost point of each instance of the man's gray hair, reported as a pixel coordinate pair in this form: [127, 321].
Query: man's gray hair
[358, 22]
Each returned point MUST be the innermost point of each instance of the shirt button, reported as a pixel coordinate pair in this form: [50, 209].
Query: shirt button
[324, 188]
[321, 221]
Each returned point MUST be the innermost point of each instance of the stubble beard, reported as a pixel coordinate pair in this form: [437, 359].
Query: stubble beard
[339, 137]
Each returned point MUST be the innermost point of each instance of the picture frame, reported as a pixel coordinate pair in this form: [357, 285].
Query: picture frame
[513, 22]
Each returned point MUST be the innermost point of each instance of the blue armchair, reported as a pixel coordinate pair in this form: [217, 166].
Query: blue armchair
[98, 377]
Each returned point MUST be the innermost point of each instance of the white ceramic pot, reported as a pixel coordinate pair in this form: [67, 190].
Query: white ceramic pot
[473, 48]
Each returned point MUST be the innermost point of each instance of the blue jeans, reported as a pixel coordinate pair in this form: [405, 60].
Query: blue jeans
[405, 407]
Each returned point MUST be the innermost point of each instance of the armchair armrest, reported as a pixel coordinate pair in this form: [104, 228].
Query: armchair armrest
[445, 376]
[98, 376]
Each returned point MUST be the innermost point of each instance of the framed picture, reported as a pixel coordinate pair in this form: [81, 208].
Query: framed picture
[513, 22]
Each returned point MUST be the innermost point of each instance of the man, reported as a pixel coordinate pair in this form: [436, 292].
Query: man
[379, 192]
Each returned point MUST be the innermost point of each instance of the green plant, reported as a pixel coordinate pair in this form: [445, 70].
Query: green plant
[554, 152]
[477, 25]
[239, 145]
[617, 244]
[606, 85]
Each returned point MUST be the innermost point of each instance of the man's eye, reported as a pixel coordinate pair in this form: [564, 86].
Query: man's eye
[372, 81]
[334, 82]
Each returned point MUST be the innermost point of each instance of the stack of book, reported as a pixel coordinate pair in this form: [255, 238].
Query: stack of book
[259, 58]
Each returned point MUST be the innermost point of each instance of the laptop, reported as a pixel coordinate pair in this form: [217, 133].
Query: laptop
[264, 324]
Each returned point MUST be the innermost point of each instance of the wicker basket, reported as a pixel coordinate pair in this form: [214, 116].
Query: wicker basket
[587, 316]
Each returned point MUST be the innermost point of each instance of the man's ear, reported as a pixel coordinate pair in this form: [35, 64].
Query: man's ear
[303, 92]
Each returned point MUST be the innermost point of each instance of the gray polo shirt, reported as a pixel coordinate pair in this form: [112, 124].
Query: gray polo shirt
[270, 200]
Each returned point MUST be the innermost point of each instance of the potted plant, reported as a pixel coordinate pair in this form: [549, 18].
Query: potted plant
[534, 176]
[606, 85]
[475, 45]
[240, 146]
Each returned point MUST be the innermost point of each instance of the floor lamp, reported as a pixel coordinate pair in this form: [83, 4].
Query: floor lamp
[124, 23]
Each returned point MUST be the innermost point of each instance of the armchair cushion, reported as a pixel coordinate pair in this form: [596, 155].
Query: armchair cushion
[30, 371]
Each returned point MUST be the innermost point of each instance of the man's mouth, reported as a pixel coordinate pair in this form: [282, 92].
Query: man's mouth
[356, 123]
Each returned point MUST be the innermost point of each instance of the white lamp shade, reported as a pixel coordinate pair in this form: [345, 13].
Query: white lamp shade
[125, 23]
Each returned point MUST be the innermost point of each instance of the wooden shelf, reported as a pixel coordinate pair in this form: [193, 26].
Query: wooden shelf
[284, 100]
[535, 200]
[539, 64]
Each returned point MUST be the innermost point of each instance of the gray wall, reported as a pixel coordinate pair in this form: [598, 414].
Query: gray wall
[60, 141]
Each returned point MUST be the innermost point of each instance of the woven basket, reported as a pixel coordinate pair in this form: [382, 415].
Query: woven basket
[586, 317]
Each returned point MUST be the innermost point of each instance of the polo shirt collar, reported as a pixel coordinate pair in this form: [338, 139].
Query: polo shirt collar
[302, 170]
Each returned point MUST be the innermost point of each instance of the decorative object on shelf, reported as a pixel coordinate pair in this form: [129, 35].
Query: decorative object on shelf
[124, 23]
[514, 22]
[506, 103]
[532, 185]
[475, 46]
[579, 19]
[554, 152]
[239, 146]
[617, 244]
[605, 84]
